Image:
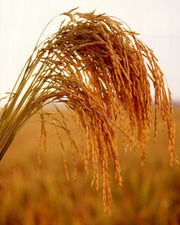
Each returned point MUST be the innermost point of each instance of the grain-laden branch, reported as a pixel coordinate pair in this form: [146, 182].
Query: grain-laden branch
[100, 69]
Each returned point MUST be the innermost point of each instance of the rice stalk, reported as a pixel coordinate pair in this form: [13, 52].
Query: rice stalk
[102, 72]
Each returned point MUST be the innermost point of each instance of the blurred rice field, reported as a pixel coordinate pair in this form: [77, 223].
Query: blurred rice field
[34, 194]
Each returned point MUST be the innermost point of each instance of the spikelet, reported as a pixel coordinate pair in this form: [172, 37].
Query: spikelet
[102, 72]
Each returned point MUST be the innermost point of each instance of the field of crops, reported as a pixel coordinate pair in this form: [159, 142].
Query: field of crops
[34, 194]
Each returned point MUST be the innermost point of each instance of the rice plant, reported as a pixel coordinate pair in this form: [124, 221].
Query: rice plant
[102, 72]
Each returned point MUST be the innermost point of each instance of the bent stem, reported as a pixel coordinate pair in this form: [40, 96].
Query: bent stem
[102, 72]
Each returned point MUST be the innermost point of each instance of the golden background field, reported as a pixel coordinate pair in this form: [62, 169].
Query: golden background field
[40, 195]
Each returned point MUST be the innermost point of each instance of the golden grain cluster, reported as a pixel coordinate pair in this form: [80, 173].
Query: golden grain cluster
[102, 72]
